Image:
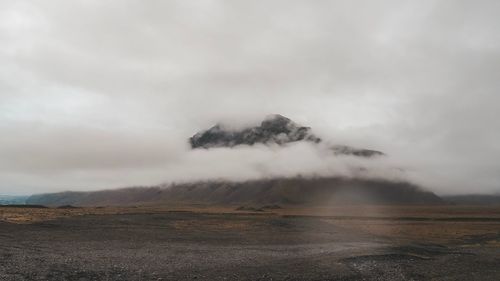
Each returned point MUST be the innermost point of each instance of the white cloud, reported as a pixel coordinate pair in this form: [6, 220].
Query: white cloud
[103, 94]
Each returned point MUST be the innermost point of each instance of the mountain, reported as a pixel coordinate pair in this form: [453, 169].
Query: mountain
[12, 200]
[284, 191]
[275, 129]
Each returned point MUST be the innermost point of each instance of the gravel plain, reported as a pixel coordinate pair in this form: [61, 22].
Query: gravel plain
[240, 246]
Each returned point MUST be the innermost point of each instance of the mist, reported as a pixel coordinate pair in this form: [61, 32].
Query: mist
[98, 95]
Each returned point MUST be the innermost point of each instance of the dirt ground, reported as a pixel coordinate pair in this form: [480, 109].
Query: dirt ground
[220, 243]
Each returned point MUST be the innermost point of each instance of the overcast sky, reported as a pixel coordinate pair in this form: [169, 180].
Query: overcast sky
[104, 94]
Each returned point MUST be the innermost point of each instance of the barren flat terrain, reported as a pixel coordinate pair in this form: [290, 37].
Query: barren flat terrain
[253, 243]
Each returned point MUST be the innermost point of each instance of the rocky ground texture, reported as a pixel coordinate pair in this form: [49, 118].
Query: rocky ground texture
[183, 245]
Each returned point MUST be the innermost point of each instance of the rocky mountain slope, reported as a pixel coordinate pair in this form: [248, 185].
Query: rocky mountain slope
[284, 191]
[275, 129]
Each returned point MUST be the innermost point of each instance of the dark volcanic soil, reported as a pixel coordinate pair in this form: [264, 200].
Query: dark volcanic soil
[194, 246]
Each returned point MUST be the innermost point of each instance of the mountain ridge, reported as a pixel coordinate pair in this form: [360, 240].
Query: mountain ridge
[284, 191]
[275, 129]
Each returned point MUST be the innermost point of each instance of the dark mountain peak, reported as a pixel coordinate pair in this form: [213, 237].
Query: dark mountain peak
[276, 121]
[274, 128]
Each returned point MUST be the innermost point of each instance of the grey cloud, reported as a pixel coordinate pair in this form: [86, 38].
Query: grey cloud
[105, 93]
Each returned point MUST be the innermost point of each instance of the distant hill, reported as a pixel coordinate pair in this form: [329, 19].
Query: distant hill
[12, 200]
[473, 199]
[275, 129]
[285, 191]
